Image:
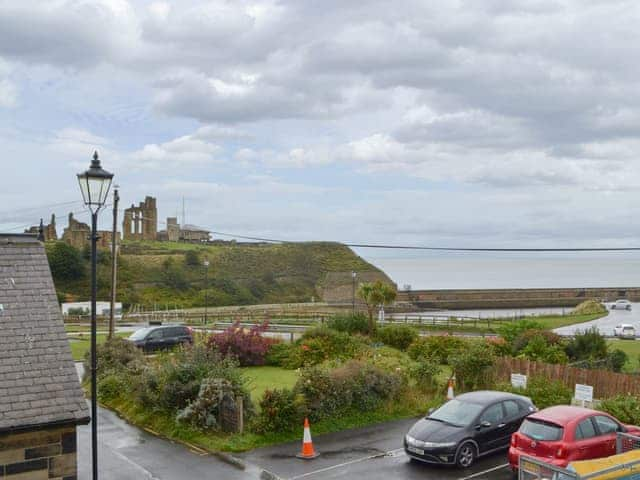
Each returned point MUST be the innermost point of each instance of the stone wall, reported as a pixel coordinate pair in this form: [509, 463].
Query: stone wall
[514, 298]
[36, 455]
[77, 235]
[141, 222]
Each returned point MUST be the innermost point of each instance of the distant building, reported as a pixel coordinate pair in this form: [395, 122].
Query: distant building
[41, 402]
[48, 231]
[77, 234]
[84, 308]
[141, 222]
[180, 233]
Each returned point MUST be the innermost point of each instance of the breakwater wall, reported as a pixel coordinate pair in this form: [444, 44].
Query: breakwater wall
[514, 298]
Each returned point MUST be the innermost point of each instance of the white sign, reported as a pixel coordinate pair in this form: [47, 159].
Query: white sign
[518, 380]
[584, 393]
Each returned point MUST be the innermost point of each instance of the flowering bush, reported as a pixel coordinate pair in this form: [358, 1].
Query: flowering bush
[437, 347]
[247, 345]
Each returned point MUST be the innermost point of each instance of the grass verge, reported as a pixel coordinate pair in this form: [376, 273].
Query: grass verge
[632, 349]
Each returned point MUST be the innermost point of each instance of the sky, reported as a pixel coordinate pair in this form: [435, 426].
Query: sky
[448, 123]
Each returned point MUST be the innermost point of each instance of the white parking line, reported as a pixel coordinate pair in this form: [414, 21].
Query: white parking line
[350, 462]
[475, 475]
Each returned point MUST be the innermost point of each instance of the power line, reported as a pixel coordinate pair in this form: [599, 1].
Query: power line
[447, 249]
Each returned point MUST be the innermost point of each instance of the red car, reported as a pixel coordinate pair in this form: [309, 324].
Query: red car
[559, 435]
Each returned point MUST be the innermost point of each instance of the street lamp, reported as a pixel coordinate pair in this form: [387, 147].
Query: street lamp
[206, 285]
[94, 185]
[353, 292]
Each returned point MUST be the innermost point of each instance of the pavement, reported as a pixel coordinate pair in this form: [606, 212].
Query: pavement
[371, 453]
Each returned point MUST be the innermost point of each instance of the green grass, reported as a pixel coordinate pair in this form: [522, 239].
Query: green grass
[262, 378]
[82, 343]
[632, 349]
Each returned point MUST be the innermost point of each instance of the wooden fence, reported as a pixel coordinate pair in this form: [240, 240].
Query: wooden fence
[605, 382]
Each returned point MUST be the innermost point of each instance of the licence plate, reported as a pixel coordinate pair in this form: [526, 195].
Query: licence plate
[419, 451]
[529, 467]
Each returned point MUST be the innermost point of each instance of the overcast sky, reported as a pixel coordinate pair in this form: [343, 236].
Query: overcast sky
[475, 123]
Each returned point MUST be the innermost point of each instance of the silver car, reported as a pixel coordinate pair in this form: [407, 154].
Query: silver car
[621, 304]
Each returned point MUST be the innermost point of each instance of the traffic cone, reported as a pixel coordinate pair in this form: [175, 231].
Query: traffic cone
[450, 394]
[307, 445]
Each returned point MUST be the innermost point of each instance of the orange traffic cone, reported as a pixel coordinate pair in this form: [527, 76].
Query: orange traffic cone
[450, 394]
[307, 445]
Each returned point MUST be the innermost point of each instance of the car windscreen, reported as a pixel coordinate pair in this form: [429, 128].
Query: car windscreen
[140, 334]
[457, 412]
[541, 431]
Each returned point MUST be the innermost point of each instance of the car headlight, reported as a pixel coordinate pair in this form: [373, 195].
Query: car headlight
[420, 444]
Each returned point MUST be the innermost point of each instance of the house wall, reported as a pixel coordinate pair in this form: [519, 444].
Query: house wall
[42, 454]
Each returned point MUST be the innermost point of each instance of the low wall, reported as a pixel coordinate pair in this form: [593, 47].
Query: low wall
[514, 298]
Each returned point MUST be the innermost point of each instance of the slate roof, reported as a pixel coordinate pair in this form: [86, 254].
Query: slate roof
[38, 380]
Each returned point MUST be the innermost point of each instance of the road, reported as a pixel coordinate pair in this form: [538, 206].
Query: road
[605, 324]
[371, 453]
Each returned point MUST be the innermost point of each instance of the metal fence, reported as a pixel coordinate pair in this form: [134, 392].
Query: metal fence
[535, 469]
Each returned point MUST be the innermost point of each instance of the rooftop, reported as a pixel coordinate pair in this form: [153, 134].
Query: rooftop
[38, 380]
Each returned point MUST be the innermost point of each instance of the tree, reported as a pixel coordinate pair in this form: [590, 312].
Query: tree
[375, 295]
[65, 261]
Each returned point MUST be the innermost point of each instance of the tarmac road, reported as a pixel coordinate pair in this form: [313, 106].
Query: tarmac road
[371, 453]
[605, 324]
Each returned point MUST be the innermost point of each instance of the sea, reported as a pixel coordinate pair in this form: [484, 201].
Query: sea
[467, 270]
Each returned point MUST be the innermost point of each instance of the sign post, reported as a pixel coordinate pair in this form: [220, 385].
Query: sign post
[518, 380]
[584, 393]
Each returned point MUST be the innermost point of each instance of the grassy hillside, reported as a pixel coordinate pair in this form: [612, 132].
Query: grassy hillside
[166, 273]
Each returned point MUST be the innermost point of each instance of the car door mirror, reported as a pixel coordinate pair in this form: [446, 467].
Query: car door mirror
[430, 411]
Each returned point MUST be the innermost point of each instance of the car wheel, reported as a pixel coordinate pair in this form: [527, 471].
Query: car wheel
[466, 455]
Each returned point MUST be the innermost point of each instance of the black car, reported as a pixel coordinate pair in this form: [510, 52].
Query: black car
[161, 337]
[467, 427]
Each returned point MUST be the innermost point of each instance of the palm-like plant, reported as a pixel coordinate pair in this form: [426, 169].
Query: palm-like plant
[373, 295]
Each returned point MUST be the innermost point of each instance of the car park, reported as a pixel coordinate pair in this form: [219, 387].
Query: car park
[162, 337]
[621, 304]
[563, 434]
[467, 427]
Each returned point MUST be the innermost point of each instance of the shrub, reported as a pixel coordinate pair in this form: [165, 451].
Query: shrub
[522, 340]
[65, 261]
[248, 346]
[280, 411]
[354, 385]
[625, 408]
[279, 354]
[616, 359]
[397, 336]
[589, 307]
[425, 374]
[587, 345]
[510, 331]
[353, 323]
[111, 386]
[321, 343]
[191, 258]
[498, 346]
[542, 391]
[472, 366]
[204, 413]
[437, 347]
[539, 349]
[114, 356]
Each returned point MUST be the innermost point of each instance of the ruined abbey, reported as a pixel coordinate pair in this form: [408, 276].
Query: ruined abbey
[139, 223]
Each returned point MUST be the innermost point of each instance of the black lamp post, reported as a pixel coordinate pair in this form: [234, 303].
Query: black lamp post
[353, 293]
[206, 286]
[94, 185]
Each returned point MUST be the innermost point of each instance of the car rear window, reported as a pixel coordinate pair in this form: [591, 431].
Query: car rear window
[541, 431]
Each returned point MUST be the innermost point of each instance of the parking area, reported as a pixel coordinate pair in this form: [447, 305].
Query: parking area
[371, 453]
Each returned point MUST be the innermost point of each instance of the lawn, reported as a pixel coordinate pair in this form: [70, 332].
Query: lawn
[632, 349]
[81, 343]
[262, 378]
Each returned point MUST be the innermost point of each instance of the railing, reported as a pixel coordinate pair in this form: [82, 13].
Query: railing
[535, 469]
